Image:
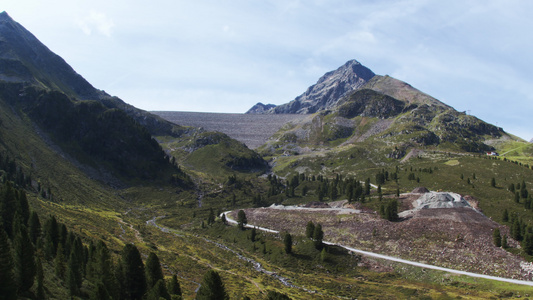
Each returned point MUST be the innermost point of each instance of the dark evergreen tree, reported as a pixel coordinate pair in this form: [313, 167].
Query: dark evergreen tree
[511, 188]
[8, 286]
[134, 279]
[223, 219]
[318, 236]
[309, 229]
[153, 270]
[51, 235]
[39, 293]
[74, 273]
[23, 207]
[34, 225]
[391, 210]
[8, 207]
[59, 262]
[505, 215]
[527, 244]
[100, 293]
[496, 237]
[173, 286]
[158, 291]
[253, 234]
[241, 219]
[212, 287]
[493, 182]
[24, 259]
[71, 277]
[504, 242]
[211, 217]
[287, 241]
[516, 231]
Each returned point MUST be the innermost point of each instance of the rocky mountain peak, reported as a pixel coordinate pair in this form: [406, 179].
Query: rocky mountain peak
[5, 17]
[260, 108]
[328, 90]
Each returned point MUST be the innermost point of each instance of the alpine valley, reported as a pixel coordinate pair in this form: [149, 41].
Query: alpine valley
[363, 187]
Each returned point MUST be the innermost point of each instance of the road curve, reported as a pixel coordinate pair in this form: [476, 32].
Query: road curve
[403, 261]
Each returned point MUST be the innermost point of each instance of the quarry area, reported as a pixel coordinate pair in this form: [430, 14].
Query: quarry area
[438, 228]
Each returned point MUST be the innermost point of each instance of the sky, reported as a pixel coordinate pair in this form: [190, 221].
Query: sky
[225, 56]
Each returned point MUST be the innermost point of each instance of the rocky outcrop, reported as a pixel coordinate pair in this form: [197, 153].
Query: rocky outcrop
[260, 108]
[329, 89]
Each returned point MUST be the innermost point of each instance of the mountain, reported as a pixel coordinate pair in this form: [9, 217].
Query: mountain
[86, 122]
[24, 59]
[331, 87]
[353, 106]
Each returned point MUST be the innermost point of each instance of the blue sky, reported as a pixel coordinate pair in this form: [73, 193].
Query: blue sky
[225, 56]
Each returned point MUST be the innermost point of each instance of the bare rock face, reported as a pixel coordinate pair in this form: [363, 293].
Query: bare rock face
[420, 190]
[260, 108]
[329, 89]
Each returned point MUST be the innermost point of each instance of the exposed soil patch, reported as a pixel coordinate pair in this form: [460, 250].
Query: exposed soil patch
[457, 238]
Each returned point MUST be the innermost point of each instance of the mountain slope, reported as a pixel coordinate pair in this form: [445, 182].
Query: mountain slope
[24, 59]
[30, 68]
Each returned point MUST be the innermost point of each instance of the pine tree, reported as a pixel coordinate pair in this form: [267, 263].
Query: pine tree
[211, 217]
[8, 207]
[158, 291]
[287, 241]
[23, 207]
[323, 255]
[504, 242]
[318, 236]
[527, 244]
[8, 287]
[153, 270]
[100, 293]
[173, 286]
[74, 273]
[241, 219]
[51, 234]
[24, 259]
[505, 215]
[223, 219]
[133, 277]
[212, 287]
[309, 229]
[59, 262]
[496, 237]
[34, 226]
[253, 234]
[40, 278]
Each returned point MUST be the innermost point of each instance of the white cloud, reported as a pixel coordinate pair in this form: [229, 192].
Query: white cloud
[97, 21]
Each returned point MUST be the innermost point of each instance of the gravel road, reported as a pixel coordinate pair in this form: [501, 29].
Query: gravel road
[396, 259]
